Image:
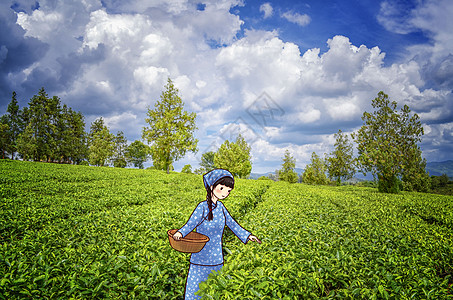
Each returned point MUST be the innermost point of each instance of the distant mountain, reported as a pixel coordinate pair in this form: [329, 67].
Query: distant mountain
[439, 168]
[434, 169]
[258, 175]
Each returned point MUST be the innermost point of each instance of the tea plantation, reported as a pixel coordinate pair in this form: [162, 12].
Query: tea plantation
[78, 232]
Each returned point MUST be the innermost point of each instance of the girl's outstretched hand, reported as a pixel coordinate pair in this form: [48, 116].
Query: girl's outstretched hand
[177, 236]
[254, 238]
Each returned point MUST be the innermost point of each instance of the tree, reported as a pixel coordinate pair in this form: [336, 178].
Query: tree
[120, 145]
[207, 161]
[101, 143]
[13, 120]
[26, 144]
[415, 177]
[340, 163]
[315, 172]
[287, 172]
[42, 120]
[387, 144]
[199, 171]
[137, 153]
[187, 169]
[4, 128]
[44, 130]
[75, 137]
[234, 157]
[170, 131]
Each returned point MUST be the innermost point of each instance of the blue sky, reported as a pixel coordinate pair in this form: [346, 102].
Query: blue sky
[352, 18]
[285, 74]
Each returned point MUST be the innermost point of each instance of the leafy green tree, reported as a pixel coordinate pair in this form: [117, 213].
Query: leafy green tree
[4, 130]
[387, 144]
[170, 131]
[340, 163]
[187, 169]
[36, 127]
[42, 118]
[13, 120]
[415, 177]
[75, 137]
[44, 130]
[234, 157]
[26, 144]
[101, 144]
[120, 146]
[440, 181]
[70, 136]
[207, 161]
[287, 172]
[315, 172]
[137, 153]
[199, 171]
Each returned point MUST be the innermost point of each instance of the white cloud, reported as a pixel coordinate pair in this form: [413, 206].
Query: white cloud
[309, 115]
[267, 9]
[395, 16]
[343, 108]
[122, 60]
[296, 18]
[39, 24]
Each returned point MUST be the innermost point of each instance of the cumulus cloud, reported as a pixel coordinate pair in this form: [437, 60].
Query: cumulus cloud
[113, 58]
[267, 9]
[296, 18]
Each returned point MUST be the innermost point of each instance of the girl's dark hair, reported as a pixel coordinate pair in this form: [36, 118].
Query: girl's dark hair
[226, 181]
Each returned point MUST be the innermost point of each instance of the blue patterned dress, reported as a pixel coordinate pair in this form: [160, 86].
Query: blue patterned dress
[210, 258]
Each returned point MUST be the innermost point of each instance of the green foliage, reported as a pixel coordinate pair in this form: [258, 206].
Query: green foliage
[440, 181]
[207, 161]
[187, 169]
[340, 163]
[4, 127]
[441, 185]
[387, 146]
[72, 136]
[101, 144]
[287, 172]
[170, 130]
[119, 152]
[315, 172]
[44, 131]
[234, 157]
[137, 153]
[199, 171]
[13, 121]
[76, 232]
[26, 144]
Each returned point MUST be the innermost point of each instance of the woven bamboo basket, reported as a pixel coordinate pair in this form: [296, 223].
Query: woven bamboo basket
[191, 243]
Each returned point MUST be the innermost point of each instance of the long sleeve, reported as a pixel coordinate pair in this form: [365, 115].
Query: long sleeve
[194, 220]
[240, 232]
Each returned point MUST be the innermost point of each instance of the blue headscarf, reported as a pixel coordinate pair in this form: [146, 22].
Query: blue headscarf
[211, 177]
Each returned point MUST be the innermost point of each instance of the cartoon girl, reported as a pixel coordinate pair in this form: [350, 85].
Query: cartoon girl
[210, 218]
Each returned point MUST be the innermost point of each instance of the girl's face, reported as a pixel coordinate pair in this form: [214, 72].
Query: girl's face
[221, 191]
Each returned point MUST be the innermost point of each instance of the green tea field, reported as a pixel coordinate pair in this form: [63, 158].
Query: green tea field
[79, 232]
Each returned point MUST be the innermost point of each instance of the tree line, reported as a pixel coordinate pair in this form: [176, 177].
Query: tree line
[47, 131]
[387, 143]
[387, 146]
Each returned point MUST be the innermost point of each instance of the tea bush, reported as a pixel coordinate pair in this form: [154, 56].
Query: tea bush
[76, 232]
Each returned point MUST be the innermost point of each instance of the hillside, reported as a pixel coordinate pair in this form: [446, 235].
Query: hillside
[77, 232]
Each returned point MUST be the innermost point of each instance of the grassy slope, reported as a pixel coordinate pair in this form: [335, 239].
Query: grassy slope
[75, 231]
